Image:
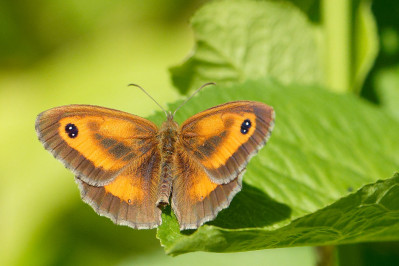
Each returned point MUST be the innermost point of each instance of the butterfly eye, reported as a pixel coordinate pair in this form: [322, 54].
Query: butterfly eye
[71, 130]
[245, 126]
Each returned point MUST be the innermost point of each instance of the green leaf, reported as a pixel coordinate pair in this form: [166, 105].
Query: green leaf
[237, 40]
[370, 214]
[323, 147]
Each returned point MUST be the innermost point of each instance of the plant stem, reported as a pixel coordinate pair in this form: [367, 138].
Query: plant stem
[337, 22]
[325, 256]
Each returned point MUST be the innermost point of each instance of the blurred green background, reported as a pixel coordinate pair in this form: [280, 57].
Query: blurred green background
[62, 52]
[55, 53]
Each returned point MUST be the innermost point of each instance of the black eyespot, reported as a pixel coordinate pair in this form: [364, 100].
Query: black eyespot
[245, 126]
[71, 130]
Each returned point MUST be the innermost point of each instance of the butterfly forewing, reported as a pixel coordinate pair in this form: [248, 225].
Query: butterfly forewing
[225, 137]
[96, 143]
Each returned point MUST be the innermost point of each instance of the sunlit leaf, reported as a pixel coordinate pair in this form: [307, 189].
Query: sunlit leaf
[237, 40]
[324, 146]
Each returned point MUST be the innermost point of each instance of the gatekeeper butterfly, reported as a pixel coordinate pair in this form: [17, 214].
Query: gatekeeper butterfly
[128, 169]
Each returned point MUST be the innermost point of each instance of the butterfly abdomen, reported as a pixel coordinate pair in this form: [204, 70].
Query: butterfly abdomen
[167, 141]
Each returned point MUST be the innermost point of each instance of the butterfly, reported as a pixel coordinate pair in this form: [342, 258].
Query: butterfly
[128, 169]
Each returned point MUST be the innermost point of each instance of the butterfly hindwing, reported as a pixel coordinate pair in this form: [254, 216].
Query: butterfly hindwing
[130, 199]
[195, 198]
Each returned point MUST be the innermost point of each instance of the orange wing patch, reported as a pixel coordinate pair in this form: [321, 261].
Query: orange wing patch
[220, 137]
[201, 186]
[127, 188]
[89, 139]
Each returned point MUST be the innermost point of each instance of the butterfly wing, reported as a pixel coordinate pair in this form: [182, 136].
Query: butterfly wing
[223, 138]
[130, 199]
[214, 148]
[114, 156]
[195, 198]
[106, 140]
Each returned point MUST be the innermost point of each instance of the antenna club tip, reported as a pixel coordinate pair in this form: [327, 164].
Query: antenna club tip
[208, 84]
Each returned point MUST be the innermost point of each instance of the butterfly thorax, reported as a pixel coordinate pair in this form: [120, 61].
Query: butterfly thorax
[167, 137]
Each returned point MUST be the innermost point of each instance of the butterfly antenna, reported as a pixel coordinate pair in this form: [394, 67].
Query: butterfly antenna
[192, 95]
[166, 113]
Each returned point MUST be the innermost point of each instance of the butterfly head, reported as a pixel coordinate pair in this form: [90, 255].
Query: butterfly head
[170, 124]
[169, 115]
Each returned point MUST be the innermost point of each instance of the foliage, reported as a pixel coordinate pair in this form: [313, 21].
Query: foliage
[298, 190]
[325, 177]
